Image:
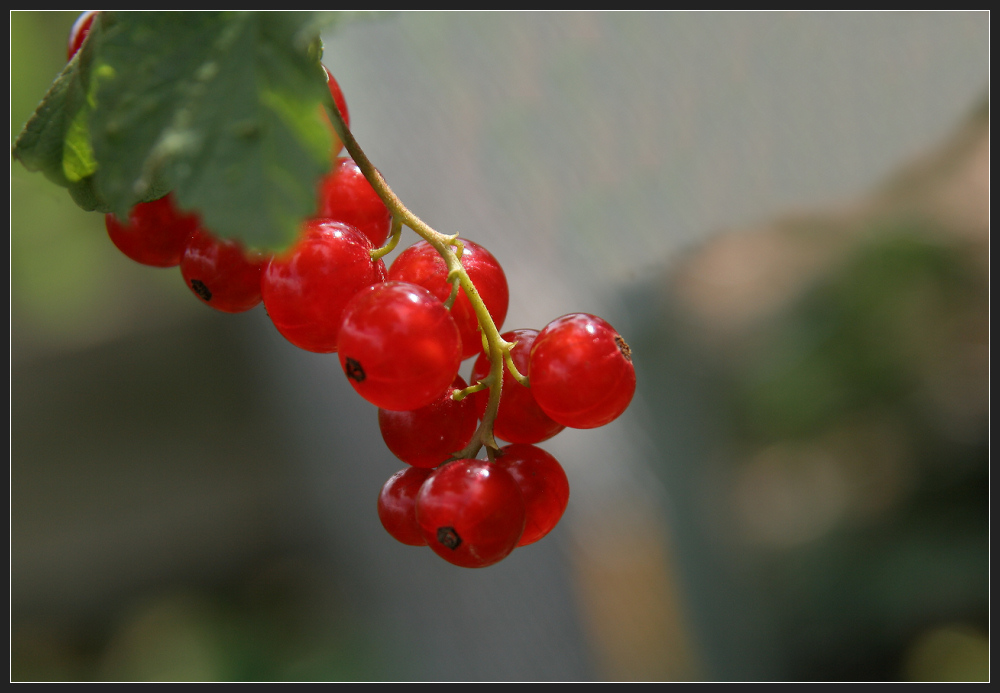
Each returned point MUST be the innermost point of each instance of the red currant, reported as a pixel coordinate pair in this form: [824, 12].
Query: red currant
[519, 419]
[156, 233]
[222, 273]
[421, 264]
[79, 31]
[306, 289]
[345, 195]
[397, 505]
[428, 436]
[471, 512]
[399, 346]
[543, 484]
[341, 103]
[581, 371]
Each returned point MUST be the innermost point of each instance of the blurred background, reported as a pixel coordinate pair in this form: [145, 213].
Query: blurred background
[787, 217]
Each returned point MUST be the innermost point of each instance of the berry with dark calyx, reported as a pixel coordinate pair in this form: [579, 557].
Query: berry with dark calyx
[79, 31]
[421, 264]
[397, 505]
[581, 371]
[399, 346]
[306, 289]
[430, 435]
[347, 196]
[519, 419]
[222, 273]
[156, 233]
[341, 104]
[471, 512]
[543, 484]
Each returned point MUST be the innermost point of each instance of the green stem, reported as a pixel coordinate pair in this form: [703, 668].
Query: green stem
[497, 348]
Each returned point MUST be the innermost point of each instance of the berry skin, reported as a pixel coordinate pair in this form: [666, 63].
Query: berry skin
[471, 513]
[421, 264]
[398, 346]
[345, 195]
[581, 371]
[397, 505]
[79, 31]
[543, 484]
[341, 103]
[156, 233]
[222, 273]
[428, 436]
[519, 419]
[306, 289]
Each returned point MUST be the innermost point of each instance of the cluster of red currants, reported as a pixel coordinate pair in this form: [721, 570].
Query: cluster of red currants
[401, 335]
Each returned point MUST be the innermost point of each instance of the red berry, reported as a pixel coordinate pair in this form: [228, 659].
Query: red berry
[79, 31]
[222, 273]
[341, 103]
[156, 233]
[581, 371]
[428, 436]
[471, 512]
[399, 346]
[397, 505]
[543, 484]
[421, 264]
[347, 196]
[519, 419]
[306, 289]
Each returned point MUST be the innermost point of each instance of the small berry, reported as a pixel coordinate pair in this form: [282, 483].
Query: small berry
[430, 435]
[79, 31]
[543, 484]
[471, 512]
[397, 505]
[156, 233]
[341, 103]
[347, 196]
[306, 289]
[398, 346]
[421, 264]
[222, 273]
[581, 371]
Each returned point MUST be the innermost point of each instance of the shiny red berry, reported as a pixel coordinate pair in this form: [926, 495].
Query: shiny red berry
[341, 103]
[543, 484]
[79, 31]
[471, 512]
[222, 273]
[347, 196]
[430, 435]
[306, 289]
[156, 233]
[399, 346]
[397, 505]
[519, 419]
[421, 264]
[581, 371]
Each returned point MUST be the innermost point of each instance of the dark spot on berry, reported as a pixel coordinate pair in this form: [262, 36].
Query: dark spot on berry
[354, 370]
[200, 289]
[624, 348]
[449, 537]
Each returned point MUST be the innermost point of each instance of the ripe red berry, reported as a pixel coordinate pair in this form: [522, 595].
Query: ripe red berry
[428, 436]
[347, 196]
[581, 371]
[341, 103]
[397, 505]
[543, 484]
[471, 512]
[519, 419]
[306, 289]
[79, 31]
[222, 273]
[399, 346]
[421, 264]
[156, 233]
